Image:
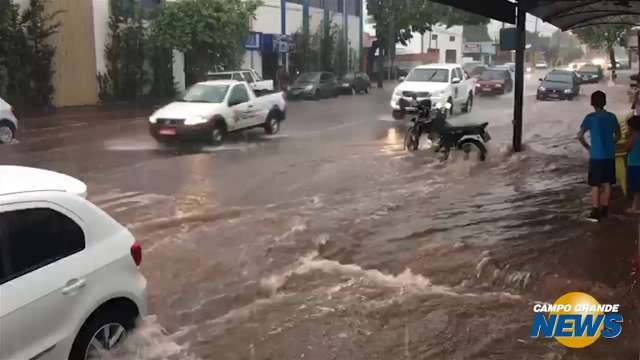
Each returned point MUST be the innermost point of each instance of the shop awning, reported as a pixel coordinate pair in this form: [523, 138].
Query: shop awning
[568, 15]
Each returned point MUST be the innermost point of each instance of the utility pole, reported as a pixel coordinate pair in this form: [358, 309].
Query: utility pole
[535, 44]
[361, 37]
[345, 36]
[305, 34]
[519, 83]
[283, 29]
[391, 41]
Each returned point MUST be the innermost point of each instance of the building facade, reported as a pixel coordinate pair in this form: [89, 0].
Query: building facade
[84, 33]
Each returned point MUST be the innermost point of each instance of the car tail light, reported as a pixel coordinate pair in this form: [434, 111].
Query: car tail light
[136, 253]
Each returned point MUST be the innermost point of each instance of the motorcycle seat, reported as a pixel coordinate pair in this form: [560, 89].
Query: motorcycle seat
[465, 128]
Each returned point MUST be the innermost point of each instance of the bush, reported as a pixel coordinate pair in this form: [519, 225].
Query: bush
[26, 57]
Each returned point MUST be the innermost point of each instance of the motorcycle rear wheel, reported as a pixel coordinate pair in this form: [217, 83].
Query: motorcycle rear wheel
[411, 141]
[474, 148]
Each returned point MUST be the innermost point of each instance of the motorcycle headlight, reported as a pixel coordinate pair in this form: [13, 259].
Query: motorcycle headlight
[308, 87]
[542, 88]
[195, 120]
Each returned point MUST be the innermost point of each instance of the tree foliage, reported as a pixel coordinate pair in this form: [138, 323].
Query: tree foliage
[604, 37]
[26, 55]
[209, 32]
[397, 20]
[476, 33]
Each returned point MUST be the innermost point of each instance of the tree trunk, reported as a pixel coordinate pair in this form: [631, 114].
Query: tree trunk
[380, 66]
[612, 57]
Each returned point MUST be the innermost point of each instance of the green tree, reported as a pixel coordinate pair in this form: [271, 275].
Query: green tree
[209, 32]
[605, 37]
[476, 33]
[396, 20]
[26, 56]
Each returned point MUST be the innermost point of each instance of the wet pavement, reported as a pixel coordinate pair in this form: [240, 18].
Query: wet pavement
[330, 241]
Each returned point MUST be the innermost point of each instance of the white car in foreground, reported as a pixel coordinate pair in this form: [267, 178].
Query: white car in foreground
[8, 123]
[69, 279]
[441, 83]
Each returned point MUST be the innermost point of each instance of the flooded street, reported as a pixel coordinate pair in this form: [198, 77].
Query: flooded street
[330, 241]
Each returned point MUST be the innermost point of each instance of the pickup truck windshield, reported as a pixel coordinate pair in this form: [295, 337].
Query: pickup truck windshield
[206, 93]
[429, 75]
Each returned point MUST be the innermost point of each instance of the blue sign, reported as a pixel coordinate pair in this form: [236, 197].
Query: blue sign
[253, 41]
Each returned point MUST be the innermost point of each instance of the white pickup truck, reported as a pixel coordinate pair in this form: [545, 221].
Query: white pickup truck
[211, 109]
[442, 83]
[252, 78]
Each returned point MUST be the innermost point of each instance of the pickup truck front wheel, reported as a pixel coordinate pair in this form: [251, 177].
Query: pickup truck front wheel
[272, 126]
[217, 134]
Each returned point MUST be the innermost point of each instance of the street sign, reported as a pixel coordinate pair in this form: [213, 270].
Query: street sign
[253, 41]
[473, 48]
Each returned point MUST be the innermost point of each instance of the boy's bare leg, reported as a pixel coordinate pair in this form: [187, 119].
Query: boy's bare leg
[595, 196]
[605, 195]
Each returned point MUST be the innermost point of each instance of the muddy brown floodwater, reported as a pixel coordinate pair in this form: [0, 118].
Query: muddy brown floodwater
[330, 241]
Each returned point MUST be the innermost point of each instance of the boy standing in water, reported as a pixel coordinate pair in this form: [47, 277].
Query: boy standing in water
[604, 132]
[633, 163]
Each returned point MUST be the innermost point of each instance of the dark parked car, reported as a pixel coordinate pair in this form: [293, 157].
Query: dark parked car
[314, 85]
[591, 73]
[355, 83]
[559, 84]
[495, 81]
[474, 69]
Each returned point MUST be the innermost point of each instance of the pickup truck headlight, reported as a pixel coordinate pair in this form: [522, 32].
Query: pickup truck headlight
[153, 119]
[542, 88]
[397, 93]
[308, 87]
[196, 120]
[498, 85]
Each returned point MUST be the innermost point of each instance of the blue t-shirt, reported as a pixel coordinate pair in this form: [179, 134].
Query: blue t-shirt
[602, 127]
[633, 159]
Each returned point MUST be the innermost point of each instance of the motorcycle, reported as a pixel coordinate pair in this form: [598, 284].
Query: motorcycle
[432, 120]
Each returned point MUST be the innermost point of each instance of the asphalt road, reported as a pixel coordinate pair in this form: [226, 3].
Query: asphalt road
[330, 241]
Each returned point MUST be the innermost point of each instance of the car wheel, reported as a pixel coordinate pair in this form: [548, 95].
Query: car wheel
[353, 90]
[366, 90]
[272, 126]
[451, 111]
[468, 105]
[217, 134]
[316, 95]
[104, 331]
[6, 132]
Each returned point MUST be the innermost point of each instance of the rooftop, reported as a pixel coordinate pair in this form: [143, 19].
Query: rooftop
[437, 66]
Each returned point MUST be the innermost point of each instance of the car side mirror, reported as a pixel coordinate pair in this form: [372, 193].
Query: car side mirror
[401, 78]
[455, 80]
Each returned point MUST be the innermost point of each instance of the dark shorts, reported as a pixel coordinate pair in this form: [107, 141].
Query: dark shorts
[602, 171]
[633, 179]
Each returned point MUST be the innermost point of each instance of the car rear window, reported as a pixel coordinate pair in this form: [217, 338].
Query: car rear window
[493, 75]
[33, 238]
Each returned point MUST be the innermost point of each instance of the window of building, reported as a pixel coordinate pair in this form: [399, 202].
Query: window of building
[33, 238]
[452, 38]
[434, 37]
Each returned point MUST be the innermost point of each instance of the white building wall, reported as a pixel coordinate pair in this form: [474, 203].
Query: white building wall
[443, 43]
[268, 21]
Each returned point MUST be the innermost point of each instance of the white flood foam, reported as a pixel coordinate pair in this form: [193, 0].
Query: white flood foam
[406, 281]
[150, 341]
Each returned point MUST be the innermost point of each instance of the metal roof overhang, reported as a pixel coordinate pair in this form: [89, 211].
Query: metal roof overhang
[501, 10]
[571, 14]
[564, 14]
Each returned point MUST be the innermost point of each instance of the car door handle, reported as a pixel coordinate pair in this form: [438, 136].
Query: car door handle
[73, 286]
